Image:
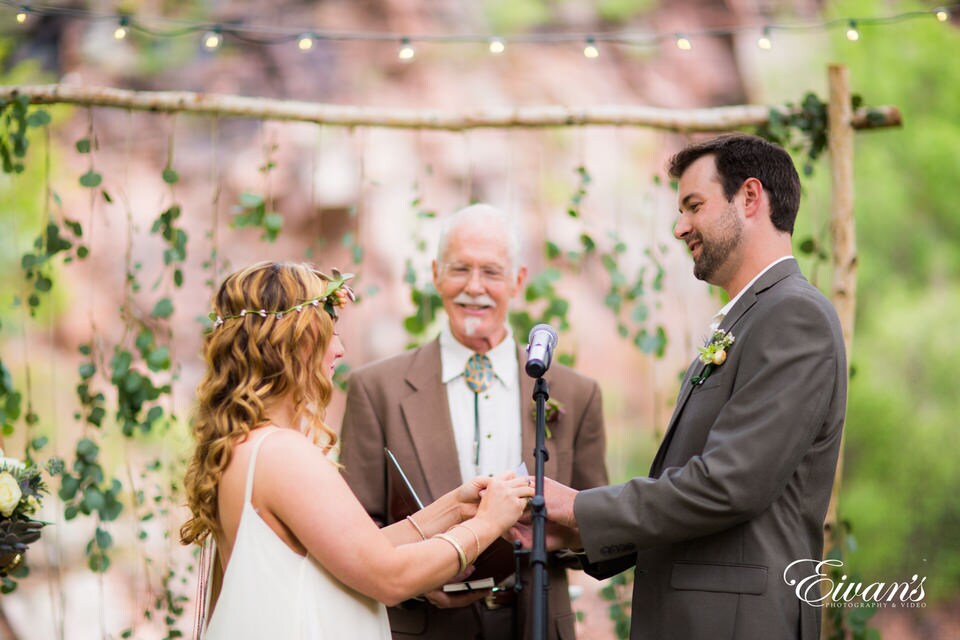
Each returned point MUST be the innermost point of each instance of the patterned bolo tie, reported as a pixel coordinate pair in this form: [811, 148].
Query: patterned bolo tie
[479, 377]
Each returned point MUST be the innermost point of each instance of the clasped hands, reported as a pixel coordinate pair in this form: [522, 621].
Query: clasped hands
[561, 531]
[561, 528]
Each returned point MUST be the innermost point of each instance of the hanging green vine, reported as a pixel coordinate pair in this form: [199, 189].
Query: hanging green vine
[426, 301]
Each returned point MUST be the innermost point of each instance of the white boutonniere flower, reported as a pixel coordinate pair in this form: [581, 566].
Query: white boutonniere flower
[713, 354]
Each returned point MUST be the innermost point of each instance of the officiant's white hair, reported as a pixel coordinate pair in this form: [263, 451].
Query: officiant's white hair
[487, 215]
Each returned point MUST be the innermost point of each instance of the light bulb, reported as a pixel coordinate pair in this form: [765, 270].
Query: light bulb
[942, 14]
[683, 43]
[590, 50]
[852, 34]
[497, 46]
[305, 43]
[22, 16]
[212, 39]
[765, 42]
[406, 51]
[121, 31]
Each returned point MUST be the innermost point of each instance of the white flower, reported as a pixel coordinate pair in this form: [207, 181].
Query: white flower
[10, 463]
[9, 494]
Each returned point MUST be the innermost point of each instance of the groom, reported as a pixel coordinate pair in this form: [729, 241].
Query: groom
[741, 483]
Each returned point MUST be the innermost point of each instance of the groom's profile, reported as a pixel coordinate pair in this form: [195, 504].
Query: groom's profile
[741, 483]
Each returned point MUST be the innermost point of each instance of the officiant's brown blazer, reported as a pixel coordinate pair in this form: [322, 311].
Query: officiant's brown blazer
[741, 483]
[401, 403]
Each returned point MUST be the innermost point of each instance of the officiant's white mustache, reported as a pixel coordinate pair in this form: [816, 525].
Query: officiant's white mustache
[483, 300]
[470, 325]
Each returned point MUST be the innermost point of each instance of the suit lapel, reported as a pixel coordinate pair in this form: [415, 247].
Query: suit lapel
[427, 418]
[749, 298]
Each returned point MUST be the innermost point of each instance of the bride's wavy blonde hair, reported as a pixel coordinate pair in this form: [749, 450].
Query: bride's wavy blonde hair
[253, 361]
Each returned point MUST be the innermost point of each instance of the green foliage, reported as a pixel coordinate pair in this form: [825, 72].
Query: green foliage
[37, 264]
[803, 131]
[899, 480]
[516, 15]
[626, 297]
[899, 485]
[619, 11]
[176, 240]
[618, 592]
[251, 211]
[10, 400]
[847, 623]
[86, 490]
[584, 179]
[15, 119]
[426, 301]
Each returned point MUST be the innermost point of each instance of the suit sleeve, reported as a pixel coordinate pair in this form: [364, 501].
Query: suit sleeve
[785, 381]
[589, 449]
[361, 450]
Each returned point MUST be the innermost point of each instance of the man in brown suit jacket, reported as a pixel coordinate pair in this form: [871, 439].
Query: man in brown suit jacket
[740, 486]
[419, 406]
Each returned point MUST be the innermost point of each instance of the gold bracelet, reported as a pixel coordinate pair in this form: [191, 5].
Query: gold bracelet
[417, 527]
[475, 536]
[456, 545]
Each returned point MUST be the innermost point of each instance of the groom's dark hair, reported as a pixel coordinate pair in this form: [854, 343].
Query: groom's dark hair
[740, 156]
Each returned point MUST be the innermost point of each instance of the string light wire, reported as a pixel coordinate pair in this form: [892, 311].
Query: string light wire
[241, 31]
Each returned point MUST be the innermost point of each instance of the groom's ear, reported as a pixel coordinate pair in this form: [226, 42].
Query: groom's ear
[753, 196]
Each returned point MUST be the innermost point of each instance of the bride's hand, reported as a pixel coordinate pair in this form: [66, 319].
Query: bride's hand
[504, 498]
[468, 496]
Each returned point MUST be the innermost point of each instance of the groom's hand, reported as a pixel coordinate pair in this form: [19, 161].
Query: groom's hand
[559, 500]
[556, 536]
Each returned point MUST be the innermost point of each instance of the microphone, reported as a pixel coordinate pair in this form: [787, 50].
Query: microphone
[542, 341]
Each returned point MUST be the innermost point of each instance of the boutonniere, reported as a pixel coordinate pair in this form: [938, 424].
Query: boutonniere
[713, 354]
[553, 411]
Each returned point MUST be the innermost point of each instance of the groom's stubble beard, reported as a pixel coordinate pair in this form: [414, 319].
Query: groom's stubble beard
[719, 248]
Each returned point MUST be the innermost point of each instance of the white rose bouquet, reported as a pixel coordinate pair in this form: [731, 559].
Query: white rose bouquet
[21, 494]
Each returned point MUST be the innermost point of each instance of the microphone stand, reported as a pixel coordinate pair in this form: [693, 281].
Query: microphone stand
[538, 553]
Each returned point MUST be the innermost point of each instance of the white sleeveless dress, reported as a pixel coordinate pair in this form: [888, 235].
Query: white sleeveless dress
[269, 591]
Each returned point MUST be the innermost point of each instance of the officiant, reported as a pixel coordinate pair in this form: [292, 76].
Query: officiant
[460, 406]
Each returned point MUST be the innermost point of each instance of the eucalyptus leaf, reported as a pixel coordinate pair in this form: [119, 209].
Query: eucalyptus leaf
[163, 308]
[91, 179]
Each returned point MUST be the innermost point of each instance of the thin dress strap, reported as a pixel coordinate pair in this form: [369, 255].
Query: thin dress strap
[252, 467]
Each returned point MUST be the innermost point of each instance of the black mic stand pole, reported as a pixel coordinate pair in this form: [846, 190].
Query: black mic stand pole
[538, 554]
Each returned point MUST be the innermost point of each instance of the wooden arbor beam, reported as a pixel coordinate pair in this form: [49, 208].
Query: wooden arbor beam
[714, 119]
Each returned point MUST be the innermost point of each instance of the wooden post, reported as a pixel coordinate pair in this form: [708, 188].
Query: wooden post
[840, 134]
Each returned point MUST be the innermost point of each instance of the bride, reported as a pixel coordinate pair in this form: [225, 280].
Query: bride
[300, 558]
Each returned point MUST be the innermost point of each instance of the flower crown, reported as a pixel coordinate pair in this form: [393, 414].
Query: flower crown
[335, 294]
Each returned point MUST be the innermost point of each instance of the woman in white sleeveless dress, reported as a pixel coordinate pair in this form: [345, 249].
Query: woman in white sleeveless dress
[300, 558]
